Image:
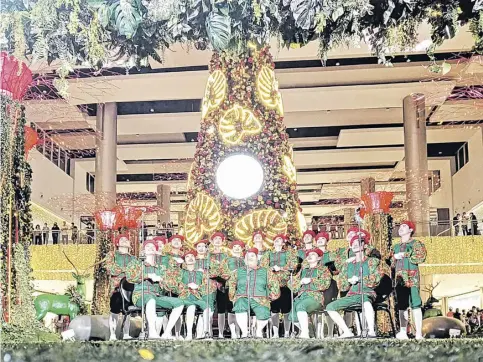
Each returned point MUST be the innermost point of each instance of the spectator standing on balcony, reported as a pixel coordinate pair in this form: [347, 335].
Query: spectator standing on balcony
[45, 234]
[464, 224]
[37, 235]
[450, 314]
[315, 224]
[90, 234]
[456, 224]
[55, 233]
[64, 232]
[473, 224]
[74, 232]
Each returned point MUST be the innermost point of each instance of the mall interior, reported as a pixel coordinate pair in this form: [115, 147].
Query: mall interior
[133, 134]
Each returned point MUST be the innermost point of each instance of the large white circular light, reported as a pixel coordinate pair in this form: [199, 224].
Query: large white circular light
[239, 176]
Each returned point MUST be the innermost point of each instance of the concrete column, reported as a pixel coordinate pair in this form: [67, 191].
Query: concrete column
[164, 202]
[368, 185]
[106, 155]
[416, 160]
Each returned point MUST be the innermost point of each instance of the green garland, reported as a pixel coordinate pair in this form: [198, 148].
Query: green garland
[16, 177]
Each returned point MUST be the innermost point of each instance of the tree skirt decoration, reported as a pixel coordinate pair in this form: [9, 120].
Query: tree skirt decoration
[243, 118]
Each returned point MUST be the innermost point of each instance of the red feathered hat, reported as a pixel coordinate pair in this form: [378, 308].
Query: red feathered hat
[308, 232]
[237, 242]
[252, 250]
[283, 236]
[220, 234]
[258, 232]
[147, 242]
[410, 224]
[181, 237]
[192, 252]
[364, 239]
[202, 241]
[322, 234]
[119, 237]
[160, 238]
[317, 251]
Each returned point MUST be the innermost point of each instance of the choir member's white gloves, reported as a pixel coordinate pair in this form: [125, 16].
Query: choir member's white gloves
[193, 286]
[305, 281]
[154, 277]
[179, 260]
[276, 268]
[398, 256]
[350, 260]
[354, 280]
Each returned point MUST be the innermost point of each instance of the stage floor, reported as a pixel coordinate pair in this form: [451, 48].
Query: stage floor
[466, 350]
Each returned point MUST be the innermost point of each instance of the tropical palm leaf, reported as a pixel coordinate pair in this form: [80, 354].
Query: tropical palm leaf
[218, 28]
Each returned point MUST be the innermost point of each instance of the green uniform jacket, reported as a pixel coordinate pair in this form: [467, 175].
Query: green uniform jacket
[371, 276]
[264, 285]
[407, 270]
[116, 265]
[182, 277]
[134, 276]
[287, 260]
[320, 281]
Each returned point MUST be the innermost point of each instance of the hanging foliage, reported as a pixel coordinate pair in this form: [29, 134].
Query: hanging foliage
[93, 32]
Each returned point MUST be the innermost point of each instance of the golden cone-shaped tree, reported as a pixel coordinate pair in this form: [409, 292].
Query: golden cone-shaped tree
[242, 113]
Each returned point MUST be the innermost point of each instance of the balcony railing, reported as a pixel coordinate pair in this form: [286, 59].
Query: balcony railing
[336, 231]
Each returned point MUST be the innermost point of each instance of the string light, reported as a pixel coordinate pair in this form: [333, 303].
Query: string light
[236, 123]
[268, 221]
[289, 168]
[267, 87]
[215, 92]
[202, 217]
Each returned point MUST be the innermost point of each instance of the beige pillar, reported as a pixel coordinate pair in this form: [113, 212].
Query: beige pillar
[106, 155]
[368, 185]
[164, 202]
[348, 218]
[416, 160]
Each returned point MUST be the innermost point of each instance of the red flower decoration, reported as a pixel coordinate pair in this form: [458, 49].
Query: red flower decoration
[14, 81]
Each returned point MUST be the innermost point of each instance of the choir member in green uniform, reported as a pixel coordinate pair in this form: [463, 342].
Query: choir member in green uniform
[405, 259]
[161, 259]
[350, 274]
[217, 256]
[282, 261]
[155, 277]
[258, 239]
[175, 261]
[116, 265]
[196, 290]
[310, 284]
[176, 252]
[201, 247]
[232, 263]
[261, 285]
[308, 244]
[321, 242]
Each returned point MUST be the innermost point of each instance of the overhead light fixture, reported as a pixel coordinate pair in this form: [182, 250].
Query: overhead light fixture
[295, 129]
[239, 176]
[440, 153]
[151, 110]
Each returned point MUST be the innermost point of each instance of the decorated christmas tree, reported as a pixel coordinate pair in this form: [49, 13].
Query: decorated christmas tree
[243, 177]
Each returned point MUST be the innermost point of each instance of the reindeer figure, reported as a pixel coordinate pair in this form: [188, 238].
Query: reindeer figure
[428, 309]
[62, 304]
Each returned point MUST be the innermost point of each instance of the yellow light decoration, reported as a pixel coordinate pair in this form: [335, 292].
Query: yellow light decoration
[268, 221]
[215, 92]
[267, 87]
[236, 123]
[202, 217]
[301, 222]
[49, 263]
[289, 169]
